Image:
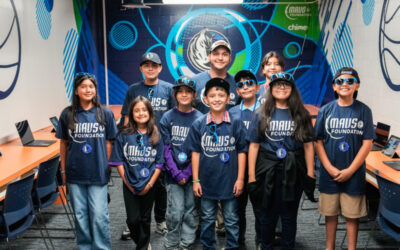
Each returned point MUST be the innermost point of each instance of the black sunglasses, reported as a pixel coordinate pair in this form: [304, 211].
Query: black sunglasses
[187, 82]
[85, 74]
[282, 75]
[249, 83]
[349, 81]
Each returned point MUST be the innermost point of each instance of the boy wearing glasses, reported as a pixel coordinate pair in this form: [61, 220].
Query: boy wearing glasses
[247, 88]
[159, 93]
[344, 133]
[218, 148]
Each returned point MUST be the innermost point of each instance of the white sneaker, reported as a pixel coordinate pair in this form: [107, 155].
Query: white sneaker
[161, 228]
[149, 247]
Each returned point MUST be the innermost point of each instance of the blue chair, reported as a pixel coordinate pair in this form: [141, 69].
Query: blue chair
[17, 214]
[389, 207]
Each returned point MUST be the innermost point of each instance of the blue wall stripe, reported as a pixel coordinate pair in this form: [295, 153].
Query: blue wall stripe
[345, 19]
[337, 13]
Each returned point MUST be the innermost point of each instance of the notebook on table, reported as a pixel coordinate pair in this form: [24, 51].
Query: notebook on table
[26, 136]
[393, 164]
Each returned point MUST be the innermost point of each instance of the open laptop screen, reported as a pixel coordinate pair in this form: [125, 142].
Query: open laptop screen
[24, 132]
[54, 121]
[391, 146]
[382, 133]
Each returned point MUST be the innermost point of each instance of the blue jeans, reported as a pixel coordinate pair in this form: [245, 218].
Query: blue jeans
[208, 218]
[92, 222]
[182, 217]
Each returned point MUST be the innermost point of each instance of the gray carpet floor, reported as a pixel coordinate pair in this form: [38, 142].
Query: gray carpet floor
[310, 229]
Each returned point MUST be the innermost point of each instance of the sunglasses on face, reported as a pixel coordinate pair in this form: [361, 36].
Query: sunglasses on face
[150, 93]
[139, 140]
[187, 82]
[79, 74]
[241, 84]
[349, 81]
[213, 131]
[284, 75]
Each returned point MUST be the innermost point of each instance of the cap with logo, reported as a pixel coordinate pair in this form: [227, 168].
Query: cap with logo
[346, 71]
[216, 82]
[220, 43]
[150, 56]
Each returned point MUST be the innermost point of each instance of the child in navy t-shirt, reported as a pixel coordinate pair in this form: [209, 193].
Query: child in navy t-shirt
[218, 162]
[86, 130]
[344, 133]
[175, 124]
[138, 155]
[247, 88]
[281, 159]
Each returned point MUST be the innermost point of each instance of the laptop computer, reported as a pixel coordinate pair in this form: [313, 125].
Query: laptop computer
[54, 122]
[382, 134]
[393, 164]
[391, 147]
[26, 136]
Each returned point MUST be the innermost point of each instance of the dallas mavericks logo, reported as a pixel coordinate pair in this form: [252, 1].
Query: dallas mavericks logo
[182, 157]
[149, 56]
[199, 47]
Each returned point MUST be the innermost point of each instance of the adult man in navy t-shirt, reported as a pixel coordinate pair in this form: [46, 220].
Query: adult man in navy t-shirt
[220, 58]
[160, 93]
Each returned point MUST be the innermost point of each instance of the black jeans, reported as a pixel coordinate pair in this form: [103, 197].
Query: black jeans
[160, 200]
[242, 203]
[138, 212]
[286, 210]
[257, 219]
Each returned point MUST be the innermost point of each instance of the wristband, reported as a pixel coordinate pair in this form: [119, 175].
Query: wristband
[196, 181]
[151, 186]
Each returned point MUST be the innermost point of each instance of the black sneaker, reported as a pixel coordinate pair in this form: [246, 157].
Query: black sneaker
[126, 234]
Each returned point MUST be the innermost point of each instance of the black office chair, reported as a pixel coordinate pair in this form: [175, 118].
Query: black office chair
[17, 214]
[46, 192]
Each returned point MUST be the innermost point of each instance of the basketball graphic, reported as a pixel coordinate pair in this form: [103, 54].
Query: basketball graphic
[10, 49]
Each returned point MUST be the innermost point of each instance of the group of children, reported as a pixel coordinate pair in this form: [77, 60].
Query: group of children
[262, 148]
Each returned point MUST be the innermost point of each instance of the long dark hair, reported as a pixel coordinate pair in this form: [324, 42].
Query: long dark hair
[269, 55]
[79, 78]
[132, 127]
[303, 127]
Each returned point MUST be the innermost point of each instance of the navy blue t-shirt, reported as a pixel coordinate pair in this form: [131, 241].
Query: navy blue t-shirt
[334, 125]
[218, 166]
[87, 168]
[201, 80]
[279, 134]
[175, 126]
[162, 98]
[139, 162]
[261, 94]
[239, 112]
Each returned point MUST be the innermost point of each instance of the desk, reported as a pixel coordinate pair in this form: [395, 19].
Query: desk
[374, 161]
[116, 109]
[18, 160]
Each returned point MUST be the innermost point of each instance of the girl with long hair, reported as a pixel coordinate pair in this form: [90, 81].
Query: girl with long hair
[86, 129]
[138, 155]
[280, 159]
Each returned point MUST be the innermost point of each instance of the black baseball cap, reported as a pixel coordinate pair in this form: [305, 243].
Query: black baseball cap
[220, 43]
[216, 82]
[150, 56]
[346, 71]
[244, 74]
[185, 81]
